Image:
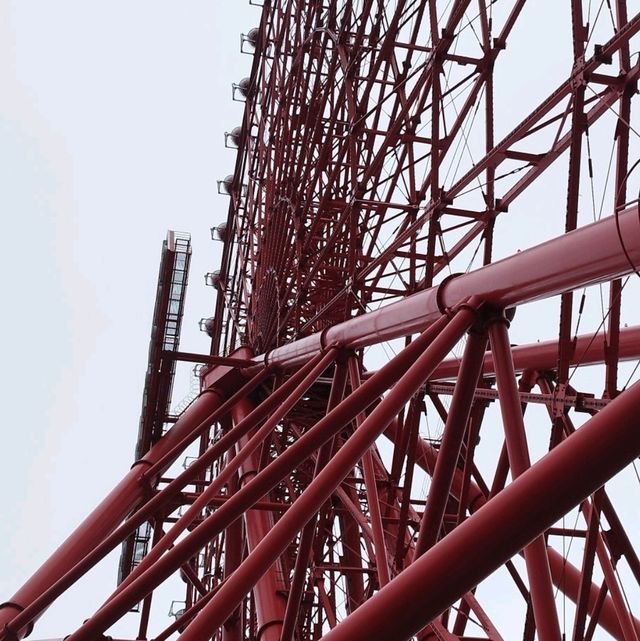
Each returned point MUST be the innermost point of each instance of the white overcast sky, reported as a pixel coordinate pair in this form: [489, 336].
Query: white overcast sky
[112, 117]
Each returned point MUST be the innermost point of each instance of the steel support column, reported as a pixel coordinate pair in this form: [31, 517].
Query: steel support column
[233, 548]
[267, 592]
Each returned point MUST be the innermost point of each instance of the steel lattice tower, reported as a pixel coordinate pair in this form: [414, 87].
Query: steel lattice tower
[374, 457]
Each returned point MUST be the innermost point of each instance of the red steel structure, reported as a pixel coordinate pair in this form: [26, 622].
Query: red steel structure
[373, 457]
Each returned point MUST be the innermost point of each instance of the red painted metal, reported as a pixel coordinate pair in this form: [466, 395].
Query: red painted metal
[307, 535]
[371, 486]
[429, 585]
[563, 573]
[270, 602]
[535, 554]
[449, 452]
[367, 205]
[265, 481]
[590, 349]
[170, 450]
[586, 256]
[321, 488]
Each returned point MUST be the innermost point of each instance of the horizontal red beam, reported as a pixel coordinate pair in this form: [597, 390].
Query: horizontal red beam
[580, 402]
[602, 251]
[589, 350]
[190, 357]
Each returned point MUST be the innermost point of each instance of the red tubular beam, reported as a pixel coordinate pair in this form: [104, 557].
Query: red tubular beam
[311, 500]
[585, 580]
[535, 554]
[109, 514]
[267, 594]
[382, 562]
[233, 544]
[159, 466]
[454, 429]
[165, 457]
[586, 256]
[570, 472]
[567, 577]
[266, 480]
[563, 574]
[427, 457]
[298, 580]
[305, 545]
[589, 350]
[625, 618]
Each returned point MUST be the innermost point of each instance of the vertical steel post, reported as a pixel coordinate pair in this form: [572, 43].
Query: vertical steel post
[267, 592]
[214, 614]
[535, 553]
[233, 548]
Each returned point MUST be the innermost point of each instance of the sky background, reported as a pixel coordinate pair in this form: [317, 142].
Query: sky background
[111, 132]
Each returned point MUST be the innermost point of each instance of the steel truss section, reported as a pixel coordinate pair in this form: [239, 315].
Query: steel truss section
[374, 457]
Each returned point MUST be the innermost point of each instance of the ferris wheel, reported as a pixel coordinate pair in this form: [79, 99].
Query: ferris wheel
[419, 415]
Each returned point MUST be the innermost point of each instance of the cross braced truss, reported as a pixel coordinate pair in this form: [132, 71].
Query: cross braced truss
[374, 457]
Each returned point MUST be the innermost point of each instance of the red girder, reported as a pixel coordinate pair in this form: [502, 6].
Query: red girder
[361, 180]
[591, 254]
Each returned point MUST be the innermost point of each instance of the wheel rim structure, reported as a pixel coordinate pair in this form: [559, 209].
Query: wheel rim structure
[374, 458]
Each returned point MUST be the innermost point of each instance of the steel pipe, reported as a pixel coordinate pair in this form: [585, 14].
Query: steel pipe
[599, 252]
[589, 350]
[371, 488]
[269, 601]
[535, 554]
[233, 544]
[305, 545]
[570, 472]
[162, 458]
[453, 434]
[280, 402]
[249, 494]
